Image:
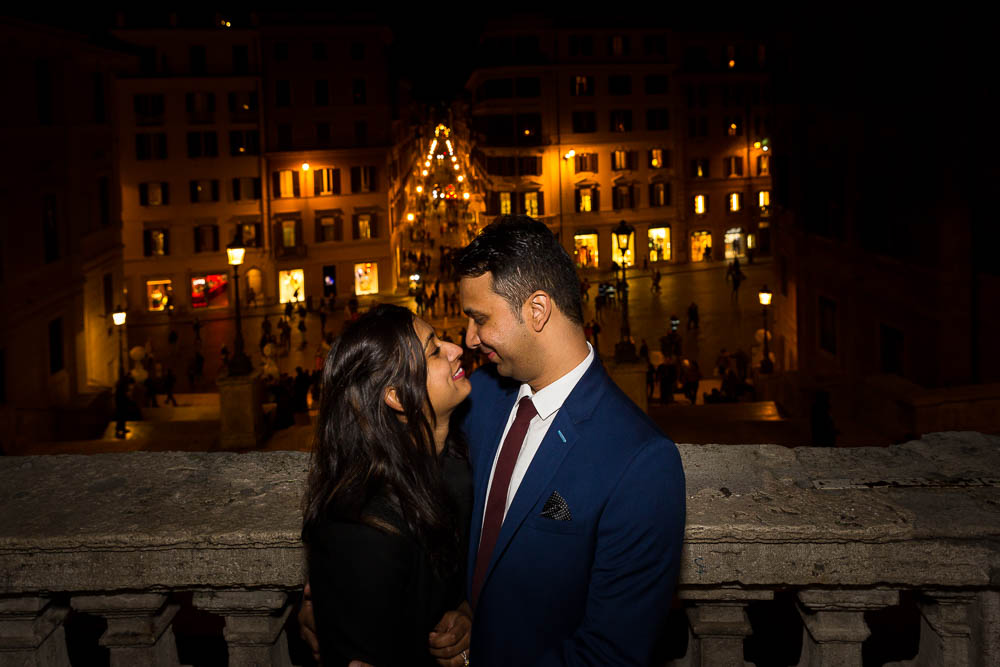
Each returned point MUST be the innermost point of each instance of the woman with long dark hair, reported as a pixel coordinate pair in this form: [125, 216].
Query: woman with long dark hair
[389, 494]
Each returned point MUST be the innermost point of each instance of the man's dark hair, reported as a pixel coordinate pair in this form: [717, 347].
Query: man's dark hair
[523, 256]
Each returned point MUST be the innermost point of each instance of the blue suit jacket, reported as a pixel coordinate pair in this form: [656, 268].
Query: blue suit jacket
[593, 590]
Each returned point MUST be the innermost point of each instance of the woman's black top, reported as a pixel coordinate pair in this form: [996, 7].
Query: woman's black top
[375, 594]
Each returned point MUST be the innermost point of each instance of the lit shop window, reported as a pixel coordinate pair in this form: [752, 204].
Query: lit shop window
[531, 204]
[290, 286]
[157, 294]
[735, 243]
[366, 278]
[700, 204]
[210, 291]
[505, 203]
[616, 254]
[701, 246]
[735, 202]
[659, 244]
[764, 199]
[585, 250]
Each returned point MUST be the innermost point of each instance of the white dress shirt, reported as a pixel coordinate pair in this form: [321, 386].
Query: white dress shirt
[547, 402]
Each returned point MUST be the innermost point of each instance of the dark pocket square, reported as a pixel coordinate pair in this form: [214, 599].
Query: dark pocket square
[557, 508]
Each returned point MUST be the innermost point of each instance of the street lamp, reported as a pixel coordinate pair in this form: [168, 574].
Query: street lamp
[625, 349]
[235, 251]
[119, 319]
[766, 365]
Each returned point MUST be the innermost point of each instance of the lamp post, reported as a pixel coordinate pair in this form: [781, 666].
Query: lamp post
[240, 362]
[119, 319]
[766, 365]
[625, 349]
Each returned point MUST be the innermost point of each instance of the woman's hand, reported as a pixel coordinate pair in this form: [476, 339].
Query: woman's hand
[307, 623]
[449, 641]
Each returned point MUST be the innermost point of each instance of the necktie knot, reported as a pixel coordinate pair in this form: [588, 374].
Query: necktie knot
[525, 410]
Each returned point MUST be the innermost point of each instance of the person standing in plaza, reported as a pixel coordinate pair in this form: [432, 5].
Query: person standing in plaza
[196, 326]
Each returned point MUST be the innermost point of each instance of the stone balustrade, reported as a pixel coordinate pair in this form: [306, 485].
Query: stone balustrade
[802, 550]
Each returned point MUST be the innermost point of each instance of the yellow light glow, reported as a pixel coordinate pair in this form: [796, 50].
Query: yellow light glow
[527, 132]
[732, 126]
[424, 172]
[305, 166]
[420, 189]
[427, 163]
[569, 154]
[461, 178]
[235, 255]
[119, 318]
[435, 194]
[734, 202]
[409, 217]
[465, 195]
[655, 162]
[765, 148]
[699, 204]
[732, 64]
[456, 167]
[765, 296]
[454, 159]
[756, 144]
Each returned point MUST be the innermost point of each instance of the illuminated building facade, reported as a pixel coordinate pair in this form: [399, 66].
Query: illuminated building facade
[278, 134]
[585, 127]
[60, 242]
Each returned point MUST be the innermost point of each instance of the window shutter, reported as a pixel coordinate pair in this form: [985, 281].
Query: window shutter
[257, 238]
[215, 237]
[355, 231]
[338, 229]
[166, 241]
[520, 205]
[215, 189]
[706, 203]
[147, 243]
[197, 239]
[236, 189]
[194, 192]
[372, 182]
[335, 182]
[318, 229]
[317, 183]
[541, 203]
[652, 195]
[667, 195]
[577, 202]
[165, 192]
[635, 195]
[143, 194]
[355, 180]
[594, 162]
[295, 183]
[739, 166]
[276, 184]
[595, 199]
[256, 188]
[374, 225]
[615, 199]
[493, 204]
[633, 159]
[579, 163]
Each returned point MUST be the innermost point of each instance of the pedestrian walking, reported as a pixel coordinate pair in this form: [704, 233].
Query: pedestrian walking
[196, 325]
[693, 318]
[225, 357]
[251, 297]
[302, 329]
[265, 326]
[169, 380]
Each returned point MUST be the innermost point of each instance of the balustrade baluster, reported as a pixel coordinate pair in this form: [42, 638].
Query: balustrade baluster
[255, 624]
[139, 627]
[718, 625]
[32, 632]
[835, 624]
[945, 635]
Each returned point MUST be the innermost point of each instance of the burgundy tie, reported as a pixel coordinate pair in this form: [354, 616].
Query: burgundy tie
[497, 502]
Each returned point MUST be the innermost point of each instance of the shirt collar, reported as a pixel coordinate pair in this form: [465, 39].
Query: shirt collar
[549, 399]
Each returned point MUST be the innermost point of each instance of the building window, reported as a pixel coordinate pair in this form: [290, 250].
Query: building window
[827, 325]
[657, 119]
[108, 290]
[699, 168]
[505, 206]
[323, 139]
[360, 92]
[735, 200]
[659, 158]
[200, 108]
[698, 127]
[243, 107]
[529, 129]
[531, 204]
[624, 196]
[156, 242]
[659, 194]
[282, 93]
[202, 144]
[587, 199]
[764, 200]
[204, 191]
[326, 182]
[363, 227]
[246, 189]
[530, 165]
[148, 109]
[586, 162]
[701, 246]
[284, 136]
[157, 295]
[618, 45]
[210, 291]
[154, 194]
[288, 233]
[244, 142]
[581, 45]
[251, 234]
[628, 257]
[151, 146]
[50, 229]
[330, 228]
[360, 133]
[657, 84]
[763, 165]
[621, 120]
[500, 165]
[585, 250]
[891, 348]
[206, 238]
[620, 84]
[620, 160]
[733, 165]
[366, 278]
[581, 86]
[734, 126]
[291, 286]
[528, 87]
[584, 122]
[659, 244]
[363, 179]
[734, 243]
[700, 204]
[286, 183]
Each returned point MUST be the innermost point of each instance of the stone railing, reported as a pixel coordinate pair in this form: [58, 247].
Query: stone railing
[802, 551]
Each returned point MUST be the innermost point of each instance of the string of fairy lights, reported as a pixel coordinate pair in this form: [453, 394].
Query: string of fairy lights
[441, 177]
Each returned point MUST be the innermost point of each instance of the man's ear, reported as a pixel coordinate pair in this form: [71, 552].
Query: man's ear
[539, 309]
[392, 400]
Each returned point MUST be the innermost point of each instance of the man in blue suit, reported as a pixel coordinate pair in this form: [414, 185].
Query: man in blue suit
[578, 512]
